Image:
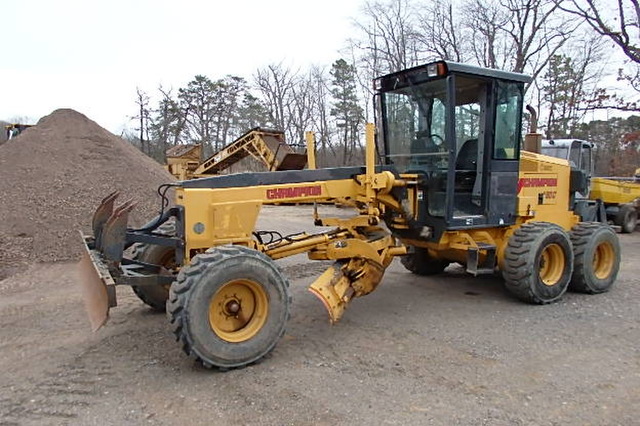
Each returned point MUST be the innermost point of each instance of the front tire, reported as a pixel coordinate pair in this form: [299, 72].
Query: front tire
[538, 263]
[597, 258]
[229, 307]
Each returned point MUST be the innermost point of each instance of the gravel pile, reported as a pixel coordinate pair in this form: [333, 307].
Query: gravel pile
[52, 178]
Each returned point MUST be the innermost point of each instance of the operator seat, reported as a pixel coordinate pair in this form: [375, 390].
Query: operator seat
[424, 152]
[466, 166]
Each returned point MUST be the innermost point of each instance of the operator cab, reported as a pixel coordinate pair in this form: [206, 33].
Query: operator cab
[458, 127]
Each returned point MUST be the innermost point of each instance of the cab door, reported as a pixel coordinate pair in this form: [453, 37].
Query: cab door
[504, 155]
[485, 153]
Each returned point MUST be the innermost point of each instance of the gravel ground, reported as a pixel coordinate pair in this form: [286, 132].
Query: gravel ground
[445, 350]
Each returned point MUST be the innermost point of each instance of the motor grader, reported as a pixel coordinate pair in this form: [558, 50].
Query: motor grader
[453, 185]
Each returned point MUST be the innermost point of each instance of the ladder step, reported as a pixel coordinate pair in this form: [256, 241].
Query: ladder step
[474, 266]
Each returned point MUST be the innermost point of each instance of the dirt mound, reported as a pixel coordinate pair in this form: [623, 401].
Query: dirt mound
[53, 176]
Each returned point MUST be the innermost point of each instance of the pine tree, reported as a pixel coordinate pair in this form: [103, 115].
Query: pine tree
[346, 111]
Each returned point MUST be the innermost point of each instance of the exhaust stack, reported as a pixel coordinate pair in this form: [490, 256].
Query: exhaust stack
[533, 139]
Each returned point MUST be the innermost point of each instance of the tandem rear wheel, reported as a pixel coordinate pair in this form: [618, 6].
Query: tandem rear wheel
[538, 263]
[597, 258]
[542, 261]
[229, 307]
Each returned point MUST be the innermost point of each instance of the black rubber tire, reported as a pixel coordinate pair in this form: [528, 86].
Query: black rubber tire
[155, 296]
[190, 296]
[627, 218]
[594, 242]
[417, 261]
[523, 261]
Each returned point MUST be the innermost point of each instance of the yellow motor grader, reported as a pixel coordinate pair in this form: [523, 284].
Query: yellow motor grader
[453, 185]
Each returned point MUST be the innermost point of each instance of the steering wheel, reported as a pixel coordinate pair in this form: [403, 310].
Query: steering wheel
[436, 139]
[433, 137]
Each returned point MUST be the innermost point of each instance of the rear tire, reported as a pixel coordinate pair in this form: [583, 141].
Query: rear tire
[229, 307]
[597, 258]
[627, 218]
[538, 263]
[417, 261]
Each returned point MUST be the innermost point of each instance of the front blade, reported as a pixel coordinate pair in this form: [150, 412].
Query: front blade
[98, 289]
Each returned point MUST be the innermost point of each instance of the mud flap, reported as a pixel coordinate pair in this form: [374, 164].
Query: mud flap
[98, 289]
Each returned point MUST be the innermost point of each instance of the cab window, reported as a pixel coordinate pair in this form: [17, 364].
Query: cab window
[507, 130]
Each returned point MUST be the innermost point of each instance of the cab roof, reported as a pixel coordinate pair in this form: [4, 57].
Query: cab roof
[420, 74]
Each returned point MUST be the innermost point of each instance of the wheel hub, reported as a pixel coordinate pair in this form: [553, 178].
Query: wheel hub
[238, 310]
[603, 260]
[552, 264]
[232, 307]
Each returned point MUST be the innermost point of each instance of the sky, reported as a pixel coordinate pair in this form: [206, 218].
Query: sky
[90, 55]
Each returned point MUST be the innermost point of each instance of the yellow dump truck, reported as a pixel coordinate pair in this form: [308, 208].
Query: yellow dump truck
[621, 199]
[620, 195]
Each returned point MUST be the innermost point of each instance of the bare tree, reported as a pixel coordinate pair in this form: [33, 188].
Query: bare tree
[487, 44]
[387, 40]
[622, 26]
[439, 32]
[519, 35]
[390, 38]
[618, 21]
[302, 108]
[275, 84]
[143, 117]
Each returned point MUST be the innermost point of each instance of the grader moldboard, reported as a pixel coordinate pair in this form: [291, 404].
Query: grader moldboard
[453, 186]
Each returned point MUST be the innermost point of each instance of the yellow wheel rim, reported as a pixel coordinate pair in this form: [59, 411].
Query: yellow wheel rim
[552, 264]
[603, 257]
[238, 310]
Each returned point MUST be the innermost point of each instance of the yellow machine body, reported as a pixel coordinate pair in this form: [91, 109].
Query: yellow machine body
[543, 190]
